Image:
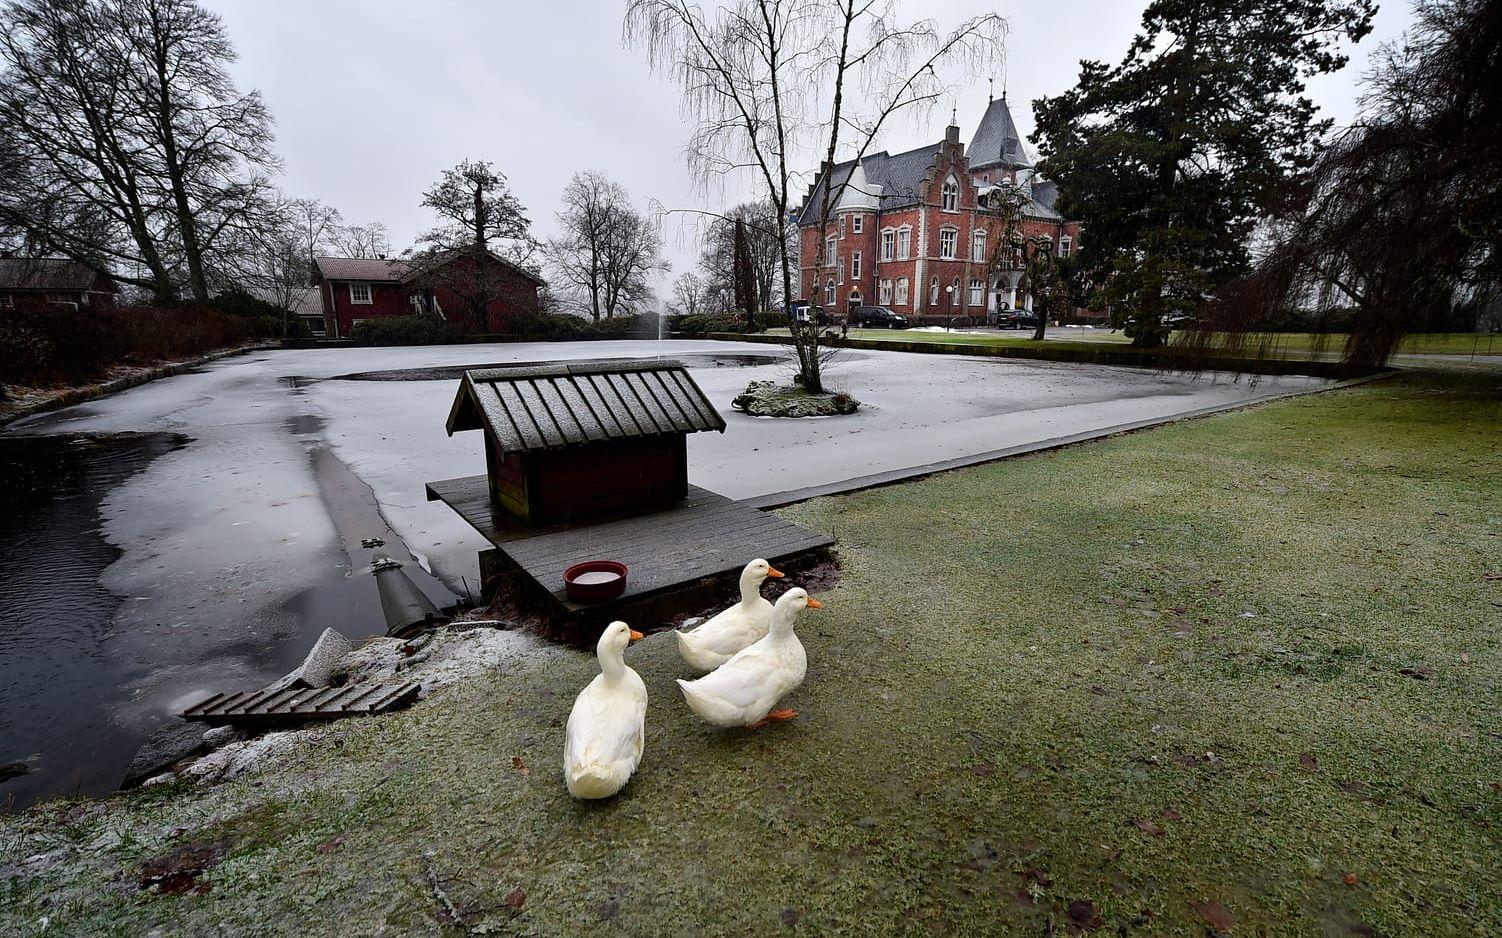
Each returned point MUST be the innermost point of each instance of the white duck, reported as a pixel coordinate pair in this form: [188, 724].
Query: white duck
[712, 644]
[742, 691]
[605, 729]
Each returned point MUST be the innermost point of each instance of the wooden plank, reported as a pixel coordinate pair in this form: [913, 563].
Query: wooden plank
[319, 703]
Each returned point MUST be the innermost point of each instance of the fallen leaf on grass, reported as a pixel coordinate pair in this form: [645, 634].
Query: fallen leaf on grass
[1082, 914]
[1349, 879]
[1217, 915]
[1307, 760]
[515, 899]
[519, 765]
[1147, 827]
[1420, 672]
[1171, 814]
[1465, 657]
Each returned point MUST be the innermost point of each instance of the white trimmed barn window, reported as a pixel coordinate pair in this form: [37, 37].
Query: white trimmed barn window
[360, 293]
[947, 239]
[950, 195]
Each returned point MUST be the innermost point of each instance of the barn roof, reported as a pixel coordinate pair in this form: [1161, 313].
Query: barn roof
[557, 404]
[377, 269]
[47, 273]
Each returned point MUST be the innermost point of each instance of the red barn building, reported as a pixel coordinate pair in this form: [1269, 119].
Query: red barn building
[54, 283]
[905, 233]
[477, 291]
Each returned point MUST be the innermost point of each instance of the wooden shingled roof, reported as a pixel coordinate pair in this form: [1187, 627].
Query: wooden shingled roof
[557, 404]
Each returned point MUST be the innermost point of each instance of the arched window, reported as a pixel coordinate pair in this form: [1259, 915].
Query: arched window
[829, 292]
[950, 199]
[933, 291]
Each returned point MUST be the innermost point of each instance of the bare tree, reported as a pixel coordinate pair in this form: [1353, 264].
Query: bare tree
[691, 295]
[1028, 264]
[476, 209]
[372, 240]
[137, 152]
[760, 75]
[607, 250]
[317, 225]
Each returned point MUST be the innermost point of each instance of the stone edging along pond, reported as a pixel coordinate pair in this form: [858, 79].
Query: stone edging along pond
[78, 395]
[1165, 358]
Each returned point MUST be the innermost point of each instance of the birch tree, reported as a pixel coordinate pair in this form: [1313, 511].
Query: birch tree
[607, 250]
[769, 82]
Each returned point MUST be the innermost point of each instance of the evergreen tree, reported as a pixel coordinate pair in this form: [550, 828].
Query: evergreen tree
[1170, 158]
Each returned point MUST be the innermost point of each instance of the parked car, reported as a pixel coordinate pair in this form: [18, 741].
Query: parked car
[1016, 319]
[877, 317]
[1180, 321]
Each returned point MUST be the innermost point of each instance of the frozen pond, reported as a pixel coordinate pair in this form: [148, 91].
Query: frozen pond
[226, 555]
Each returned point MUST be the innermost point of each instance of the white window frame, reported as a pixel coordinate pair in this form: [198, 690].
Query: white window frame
[855, 265]
[1066, 243]
[829, 293]
[857, 224]
[952, 236]
[978, 245]
[949, 195]
[888, 243]
[369, 293]
[901, 298]
[842, 224]
[884, 292]
[977, 292]
[831, 251]
[904, 242]
[933, 291]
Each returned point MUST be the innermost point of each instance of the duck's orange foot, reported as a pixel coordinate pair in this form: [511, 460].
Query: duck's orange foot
[781, 715]
[758, 724]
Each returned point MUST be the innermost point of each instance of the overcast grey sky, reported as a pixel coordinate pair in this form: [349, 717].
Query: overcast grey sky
[374, 98]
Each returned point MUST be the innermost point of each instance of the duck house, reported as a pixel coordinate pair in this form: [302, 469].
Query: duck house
[570, 441]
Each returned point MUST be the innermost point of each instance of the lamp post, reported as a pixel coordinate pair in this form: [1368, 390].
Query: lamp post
[949, 308]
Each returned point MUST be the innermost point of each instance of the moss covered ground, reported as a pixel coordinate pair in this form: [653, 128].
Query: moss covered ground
[1240, 674]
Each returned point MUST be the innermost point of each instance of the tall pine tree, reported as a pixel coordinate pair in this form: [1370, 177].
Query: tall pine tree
[1170, 158]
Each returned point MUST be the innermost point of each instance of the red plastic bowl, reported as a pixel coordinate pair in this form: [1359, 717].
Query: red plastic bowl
[595, 581]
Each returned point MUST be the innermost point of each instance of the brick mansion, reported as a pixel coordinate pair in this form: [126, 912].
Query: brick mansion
[907, 232]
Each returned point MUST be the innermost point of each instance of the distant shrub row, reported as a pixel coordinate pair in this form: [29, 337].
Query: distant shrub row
[724, 322]
[55, 345]
[543, 327]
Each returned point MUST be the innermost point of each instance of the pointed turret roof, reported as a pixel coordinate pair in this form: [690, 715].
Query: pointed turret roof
[996, 141]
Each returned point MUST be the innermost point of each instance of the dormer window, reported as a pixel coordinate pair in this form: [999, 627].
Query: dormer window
[950, 195]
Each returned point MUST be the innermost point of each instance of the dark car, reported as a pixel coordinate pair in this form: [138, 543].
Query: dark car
[877, 317]
[1016, 319]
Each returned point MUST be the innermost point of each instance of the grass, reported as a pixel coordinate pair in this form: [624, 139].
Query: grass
[1285, 343]
[1239, 671]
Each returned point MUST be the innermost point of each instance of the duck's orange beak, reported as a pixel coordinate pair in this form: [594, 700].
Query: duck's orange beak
[636, 636]
[814, 603]
[775, 573]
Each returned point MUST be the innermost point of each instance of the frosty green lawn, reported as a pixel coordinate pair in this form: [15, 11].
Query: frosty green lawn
[1241, 672]
[1282, 344]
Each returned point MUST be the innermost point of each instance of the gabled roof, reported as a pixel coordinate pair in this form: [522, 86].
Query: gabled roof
[996, 141]
[898, 175]
[553, 405]
[422, 264]
[379, 269]
[48, 273]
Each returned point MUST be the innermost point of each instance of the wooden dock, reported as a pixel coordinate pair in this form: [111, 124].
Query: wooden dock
[300, 702]
[702, 537]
